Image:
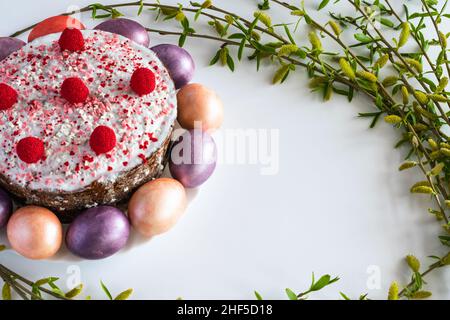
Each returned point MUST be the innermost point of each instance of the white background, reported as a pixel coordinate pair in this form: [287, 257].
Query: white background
[338, 204]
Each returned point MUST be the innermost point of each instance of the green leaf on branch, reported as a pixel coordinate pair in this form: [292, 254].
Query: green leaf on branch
[6, 291]
[215, 59]
[258, 296]
[291, 294]
[125, 295]
[362, 38]
[106, 291]
[74, 292]
[230, 62]
[265, 5]
[323, 4]
[141, 7]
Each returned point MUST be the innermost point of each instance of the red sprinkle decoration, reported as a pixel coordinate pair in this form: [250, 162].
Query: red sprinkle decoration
[72, 40]
[30, 149]
[8, 96]
[74, 90]
[143, 81]
[102, 140]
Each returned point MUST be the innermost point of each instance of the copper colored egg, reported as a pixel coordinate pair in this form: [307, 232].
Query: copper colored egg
[35, 232]
[156, 206]
[197, 103]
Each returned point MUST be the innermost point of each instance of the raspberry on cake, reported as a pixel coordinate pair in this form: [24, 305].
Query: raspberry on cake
[103, 140]
[8, 96]
[74, 90]
[72, 40]
[143, 81]
[85, 119]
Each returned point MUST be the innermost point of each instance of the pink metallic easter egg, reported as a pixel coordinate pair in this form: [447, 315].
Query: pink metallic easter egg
[35, 232]
[197, 103]
[157, 206]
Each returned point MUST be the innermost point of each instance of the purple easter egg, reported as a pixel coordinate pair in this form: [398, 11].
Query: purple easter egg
[127, 28]
[178, 62]
[6, 206]
[193, 158]
[98, 233]
[9, 45]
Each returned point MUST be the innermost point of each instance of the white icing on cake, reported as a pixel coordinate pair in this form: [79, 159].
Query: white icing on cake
[36, 72]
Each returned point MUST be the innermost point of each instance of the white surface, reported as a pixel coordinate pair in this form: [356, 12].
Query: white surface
[338, 204]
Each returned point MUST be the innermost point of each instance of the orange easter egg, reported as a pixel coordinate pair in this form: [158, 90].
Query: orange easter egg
[35, 232]
[157, 206]
[197, 103]
[54, 25]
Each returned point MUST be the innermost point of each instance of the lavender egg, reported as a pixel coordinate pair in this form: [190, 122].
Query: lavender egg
[178, 62]
[98, 233]
[9, 45]
[5, 208]
[127, 28]
[193, 158]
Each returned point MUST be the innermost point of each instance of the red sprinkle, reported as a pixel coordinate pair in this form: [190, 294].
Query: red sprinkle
[102, 140]
[74, 90]
[143, 158]
[30, 149]
[143, 81]
[8, 96]
[72, 40]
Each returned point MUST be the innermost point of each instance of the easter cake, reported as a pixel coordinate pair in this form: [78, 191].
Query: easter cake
[85, 119]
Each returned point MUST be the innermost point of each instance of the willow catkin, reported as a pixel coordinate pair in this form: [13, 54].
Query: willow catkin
[404, 35]
[392, 119]
[422, 189]
[280, 74]
[433, 145]
[437, 169]
[442, 85]
[435, 154]
[336, 28]
[445, 152]
[256, 36]
[206, 4]
[423, 183]
[287, 50]
[219, 27]
[405, 95]
[315, 41]
[438, 97]
[421, 97]
[390, 81]
[264, 18]
[347, 68]
[393, 291]
[229, 19]
[415, 64]
[421, 294]
[224, 56]
[381, 62]
[328, 93]
[369, 76]
[413, 263]
[180, 16]
[407, 165]
[420, 127]
[316, 82]
[443, 39]
[425, 113]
